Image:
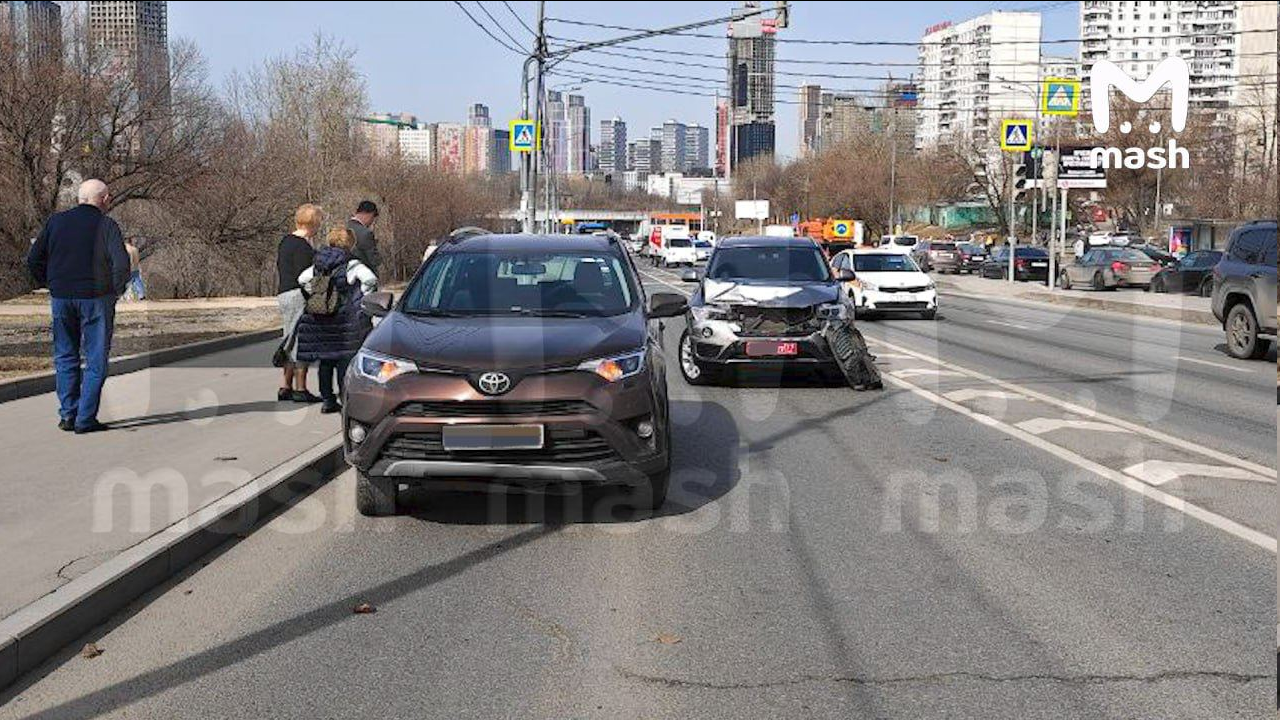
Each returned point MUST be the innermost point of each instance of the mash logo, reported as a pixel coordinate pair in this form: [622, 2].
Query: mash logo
[1172, 72]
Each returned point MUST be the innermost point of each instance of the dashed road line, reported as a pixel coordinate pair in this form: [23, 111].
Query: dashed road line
[1224, 366]
[1040, 426]
[1159, 472]
[966, 394]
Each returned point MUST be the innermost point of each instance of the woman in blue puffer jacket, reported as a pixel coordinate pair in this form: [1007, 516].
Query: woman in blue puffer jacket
[333, 339]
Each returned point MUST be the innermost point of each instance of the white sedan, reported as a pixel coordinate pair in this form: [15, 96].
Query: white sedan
[887, 281]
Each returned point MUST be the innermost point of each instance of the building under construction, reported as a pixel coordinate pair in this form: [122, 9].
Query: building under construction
[752, 41]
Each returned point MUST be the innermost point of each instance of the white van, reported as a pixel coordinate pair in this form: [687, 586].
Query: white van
[899, 243]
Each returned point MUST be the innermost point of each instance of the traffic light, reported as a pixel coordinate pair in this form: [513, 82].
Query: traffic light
[1022, 174]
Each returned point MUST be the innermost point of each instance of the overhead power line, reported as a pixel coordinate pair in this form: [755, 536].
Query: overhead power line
[519, 19]
[486, 30]
[896, 43]
[515, 40]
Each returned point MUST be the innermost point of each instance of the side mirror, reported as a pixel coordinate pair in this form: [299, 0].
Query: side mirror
[377, 304]
[690, 276]
[667, 305]
[845, 275]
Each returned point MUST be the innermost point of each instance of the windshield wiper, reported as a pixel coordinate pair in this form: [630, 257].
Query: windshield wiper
[433, 313]
[556, 313]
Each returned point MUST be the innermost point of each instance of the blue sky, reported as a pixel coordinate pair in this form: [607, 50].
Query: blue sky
[429, 59]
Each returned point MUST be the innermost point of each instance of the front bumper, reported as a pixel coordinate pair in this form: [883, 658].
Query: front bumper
[589, 426]
[722, 342]
[878, 301]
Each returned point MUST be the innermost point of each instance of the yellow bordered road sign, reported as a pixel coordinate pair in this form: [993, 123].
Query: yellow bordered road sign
[523, 136]
[1015, 135]
[1060, 96]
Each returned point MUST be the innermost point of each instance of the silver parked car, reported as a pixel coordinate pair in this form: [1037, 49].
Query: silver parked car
[1107, 268]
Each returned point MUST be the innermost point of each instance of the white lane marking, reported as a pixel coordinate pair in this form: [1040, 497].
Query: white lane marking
[680, 290]
[918, 372]
[893, 356]
[1159, 472]
[1086, 412]
[966, 394]
[1224, 366]
[1208, 517]
[1040, 426]
[1008, 324]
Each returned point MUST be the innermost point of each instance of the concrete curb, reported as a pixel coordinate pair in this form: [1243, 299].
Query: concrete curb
[40, 630]
[41, 383]
[1198, 317]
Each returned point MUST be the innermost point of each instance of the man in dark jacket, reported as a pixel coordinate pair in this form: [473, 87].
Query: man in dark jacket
[361, 225]
[80, 257]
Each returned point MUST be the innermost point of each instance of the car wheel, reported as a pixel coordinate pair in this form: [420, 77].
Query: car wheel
[376, 496]
[651, 495]
[1099, 282]
[1206, 288]
[1158, 285]
[1064, 280]
[1242, 334]
[694, 372]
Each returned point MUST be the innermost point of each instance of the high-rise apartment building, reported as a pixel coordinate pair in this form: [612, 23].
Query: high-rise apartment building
[975, 73]
[381, 131]
[1138, 35]
[451, 143]
[612, 154]
[478, 115]
[697, 148]
[641, 156]
[673, 137]
[577, 125]
[31, 31]
[500, 162]
[136, 34]
[810, 106]
[722, 138]
[553, 128]
[751, 84]
[418, 144]
[842, 117]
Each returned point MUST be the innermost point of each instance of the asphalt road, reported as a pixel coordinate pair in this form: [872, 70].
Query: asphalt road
[948, 547]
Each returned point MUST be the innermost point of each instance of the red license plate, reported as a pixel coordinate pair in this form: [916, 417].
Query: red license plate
[758, 349]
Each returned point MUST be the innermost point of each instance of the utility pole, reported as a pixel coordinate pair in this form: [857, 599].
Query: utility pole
[893, 156]
[529, 160]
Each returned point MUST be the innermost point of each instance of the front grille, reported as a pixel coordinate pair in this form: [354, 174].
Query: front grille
[563, 446]
[914, 289]
[894, 305]
[491, 408]
[776, 322]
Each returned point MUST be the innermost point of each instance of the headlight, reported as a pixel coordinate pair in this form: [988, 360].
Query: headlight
[832, 311]
[929, 285]
[381, 368]
[868, 285]
[615, 368]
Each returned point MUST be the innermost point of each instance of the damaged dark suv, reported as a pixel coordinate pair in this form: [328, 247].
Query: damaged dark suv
[513, 362]
[768, 301]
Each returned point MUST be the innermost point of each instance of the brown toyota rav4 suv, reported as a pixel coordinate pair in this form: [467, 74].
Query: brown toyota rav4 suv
[513, 361]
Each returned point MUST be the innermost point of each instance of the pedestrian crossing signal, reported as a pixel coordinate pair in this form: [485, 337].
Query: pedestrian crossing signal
[1060, 96]
[523, 136]
[1015, 135]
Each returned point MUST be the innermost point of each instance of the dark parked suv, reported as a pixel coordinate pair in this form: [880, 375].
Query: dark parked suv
[513, 361]
[1244, 289]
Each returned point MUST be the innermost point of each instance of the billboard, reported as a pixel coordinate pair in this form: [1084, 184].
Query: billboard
[751, 209]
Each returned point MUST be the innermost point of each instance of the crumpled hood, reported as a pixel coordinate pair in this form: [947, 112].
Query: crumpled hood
[786, 295]
[505, 343]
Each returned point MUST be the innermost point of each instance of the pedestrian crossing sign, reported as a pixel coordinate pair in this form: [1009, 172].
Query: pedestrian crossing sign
[523, 136]
[1060, 96]
[1015, 135]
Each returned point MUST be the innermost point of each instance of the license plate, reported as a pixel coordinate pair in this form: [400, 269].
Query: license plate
[1039, 264]
[492, 437]
[760, 349]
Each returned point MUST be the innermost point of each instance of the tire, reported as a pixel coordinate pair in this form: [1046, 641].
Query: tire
[1206, 288]
[651, 496]
[1099, 282]
[376, 496]
[694, 372]
[1158, 285]
[1064, 280]
[1243, 342]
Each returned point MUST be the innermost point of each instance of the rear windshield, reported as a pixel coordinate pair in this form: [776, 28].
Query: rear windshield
[1030, 252]
[942, 246]
[679, 243]
[973, 249]
[791, 264]
[1128, 255]
[887, 262]
[522, 283]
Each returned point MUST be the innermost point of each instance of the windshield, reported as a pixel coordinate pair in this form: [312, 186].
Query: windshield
[790, 264]
[886, 262]
[521, 283]
[679, 243]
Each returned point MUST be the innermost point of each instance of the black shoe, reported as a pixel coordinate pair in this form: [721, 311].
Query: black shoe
[282, 395]
[330, 407]
[67, 424]
[302, 396]
[91, 428]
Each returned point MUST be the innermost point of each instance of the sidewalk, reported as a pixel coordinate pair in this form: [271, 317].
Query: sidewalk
[1183, 308]
[184, 435]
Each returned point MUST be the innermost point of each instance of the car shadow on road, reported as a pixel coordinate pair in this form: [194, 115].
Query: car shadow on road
[1221, 349]
[203, 413]
[704, 467]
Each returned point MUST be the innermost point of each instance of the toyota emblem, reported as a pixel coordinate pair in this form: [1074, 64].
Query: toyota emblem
[493, 383]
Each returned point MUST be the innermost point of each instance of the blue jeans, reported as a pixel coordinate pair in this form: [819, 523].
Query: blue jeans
[81, 328]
